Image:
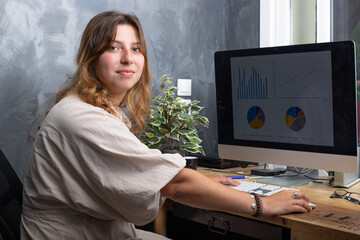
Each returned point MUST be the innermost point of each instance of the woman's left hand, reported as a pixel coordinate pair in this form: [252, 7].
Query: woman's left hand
[224, 180]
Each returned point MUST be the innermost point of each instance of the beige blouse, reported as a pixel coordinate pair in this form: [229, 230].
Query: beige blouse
[89, 177]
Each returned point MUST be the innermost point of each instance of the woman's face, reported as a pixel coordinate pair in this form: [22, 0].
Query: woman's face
[120, 67]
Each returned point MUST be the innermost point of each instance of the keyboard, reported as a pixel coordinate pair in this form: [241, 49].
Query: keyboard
[260, 188]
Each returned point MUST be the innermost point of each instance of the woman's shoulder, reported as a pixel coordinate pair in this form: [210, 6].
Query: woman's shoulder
[72, 99]
[72, 105]
[72, 112]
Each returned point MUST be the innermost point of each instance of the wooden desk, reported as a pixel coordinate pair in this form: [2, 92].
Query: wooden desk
[332, 219]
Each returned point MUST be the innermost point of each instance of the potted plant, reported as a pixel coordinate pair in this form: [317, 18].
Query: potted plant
[171, 123]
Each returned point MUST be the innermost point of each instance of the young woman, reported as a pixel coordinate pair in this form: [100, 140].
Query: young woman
[90, 177]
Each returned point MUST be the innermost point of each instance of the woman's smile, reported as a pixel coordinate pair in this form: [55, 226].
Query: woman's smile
[126, 73]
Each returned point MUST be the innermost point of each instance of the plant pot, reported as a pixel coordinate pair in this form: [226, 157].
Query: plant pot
[173, 151]
[191, 161]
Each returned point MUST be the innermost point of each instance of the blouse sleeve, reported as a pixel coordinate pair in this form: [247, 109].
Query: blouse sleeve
[106, 171]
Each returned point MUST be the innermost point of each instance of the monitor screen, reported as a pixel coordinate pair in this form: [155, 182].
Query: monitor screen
[291, 105]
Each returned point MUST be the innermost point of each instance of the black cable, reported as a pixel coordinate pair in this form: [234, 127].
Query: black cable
[302, 174]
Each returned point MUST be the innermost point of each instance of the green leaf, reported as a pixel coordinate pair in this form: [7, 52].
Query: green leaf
[175, 136]
[163, 131]
[172, 89]
[162, 85]
[155, 146]
[201, 150]
[149, 135]
[159, 109]
[165, 78]
[170, 99]
[182, 147]
[153, 141]
[195, 140]
[202, 120]
[191, 145]
[193, 113]
[158, 118]
[156, 130]
[156, 123]
[185, 140]
[185, 131]
[184, 116]
[176, 124]
[196, 108]
[195, 150]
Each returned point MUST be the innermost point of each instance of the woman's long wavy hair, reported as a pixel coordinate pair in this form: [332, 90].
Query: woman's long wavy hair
[98, 36]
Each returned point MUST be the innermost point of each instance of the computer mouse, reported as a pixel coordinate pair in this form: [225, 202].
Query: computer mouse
[312, 205]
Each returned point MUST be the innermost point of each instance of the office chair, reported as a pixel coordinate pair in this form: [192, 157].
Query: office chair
[10, 201]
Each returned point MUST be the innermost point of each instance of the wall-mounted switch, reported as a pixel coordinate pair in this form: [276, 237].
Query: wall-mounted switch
[184, 87]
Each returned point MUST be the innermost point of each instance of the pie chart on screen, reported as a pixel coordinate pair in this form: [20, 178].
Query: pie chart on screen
[256, 117]
[295, 118]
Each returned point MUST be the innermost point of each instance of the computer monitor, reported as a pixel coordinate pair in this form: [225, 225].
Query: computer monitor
[289, 105]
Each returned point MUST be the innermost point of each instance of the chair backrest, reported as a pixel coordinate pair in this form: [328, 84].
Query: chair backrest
[10, 201]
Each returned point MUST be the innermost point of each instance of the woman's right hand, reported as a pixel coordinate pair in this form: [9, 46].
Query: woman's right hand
[286, 201]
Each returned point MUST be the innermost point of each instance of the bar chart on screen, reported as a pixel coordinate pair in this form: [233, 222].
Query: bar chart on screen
[251, 86]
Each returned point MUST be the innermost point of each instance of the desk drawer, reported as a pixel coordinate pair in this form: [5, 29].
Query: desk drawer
[223, 223]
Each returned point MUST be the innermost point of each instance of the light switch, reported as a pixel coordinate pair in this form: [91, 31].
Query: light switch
[184, 87]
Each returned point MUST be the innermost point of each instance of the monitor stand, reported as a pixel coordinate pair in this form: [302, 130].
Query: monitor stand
[291, 179]
[346, 180]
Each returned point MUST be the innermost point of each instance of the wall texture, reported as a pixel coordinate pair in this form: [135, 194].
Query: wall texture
[39, 39]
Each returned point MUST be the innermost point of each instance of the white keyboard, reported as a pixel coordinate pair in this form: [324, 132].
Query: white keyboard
[260, 188]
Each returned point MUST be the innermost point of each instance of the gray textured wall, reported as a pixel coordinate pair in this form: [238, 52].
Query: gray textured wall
[39, 39]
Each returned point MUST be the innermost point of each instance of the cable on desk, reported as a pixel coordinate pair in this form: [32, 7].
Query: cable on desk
[304, 173]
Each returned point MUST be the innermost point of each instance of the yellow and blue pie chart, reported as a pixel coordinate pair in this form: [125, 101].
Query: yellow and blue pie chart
[256, 117]
[295, 118]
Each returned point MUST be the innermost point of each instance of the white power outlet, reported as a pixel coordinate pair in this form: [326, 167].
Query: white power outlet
[184, 87]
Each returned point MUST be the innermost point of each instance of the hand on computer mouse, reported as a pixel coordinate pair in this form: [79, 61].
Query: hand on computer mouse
[286, 201]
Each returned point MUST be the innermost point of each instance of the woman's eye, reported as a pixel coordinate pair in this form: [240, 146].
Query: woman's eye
[136, 49]
[114, 48]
